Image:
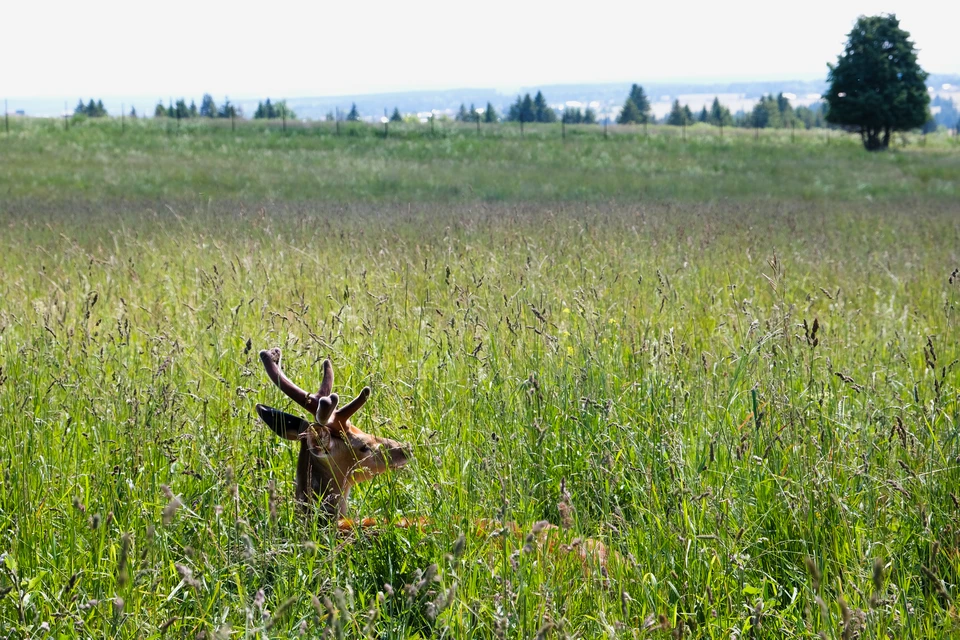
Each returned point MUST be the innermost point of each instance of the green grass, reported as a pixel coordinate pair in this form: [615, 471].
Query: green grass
[608, 338]
[93, 160]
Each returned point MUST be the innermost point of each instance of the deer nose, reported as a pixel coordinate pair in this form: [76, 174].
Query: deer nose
[399, 453]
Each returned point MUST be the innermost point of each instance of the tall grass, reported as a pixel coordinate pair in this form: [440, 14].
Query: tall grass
[755, 403]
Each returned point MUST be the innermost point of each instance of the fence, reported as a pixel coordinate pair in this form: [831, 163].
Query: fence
[437, 128]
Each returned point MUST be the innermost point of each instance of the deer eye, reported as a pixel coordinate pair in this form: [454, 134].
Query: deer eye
[365, 449]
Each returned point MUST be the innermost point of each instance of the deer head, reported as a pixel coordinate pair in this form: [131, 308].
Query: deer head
[334, 454]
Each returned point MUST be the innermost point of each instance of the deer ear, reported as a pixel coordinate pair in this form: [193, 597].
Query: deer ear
[283, 424]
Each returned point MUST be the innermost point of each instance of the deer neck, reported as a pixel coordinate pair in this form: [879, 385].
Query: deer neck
[316, 482]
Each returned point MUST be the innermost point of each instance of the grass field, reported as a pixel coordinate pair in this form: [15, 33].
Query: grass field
[734, 362]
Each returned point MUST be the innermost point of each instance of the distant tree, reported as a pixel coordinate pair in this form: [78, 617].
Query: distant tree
[228, 110]
[354, 115]
[642, 104]
[329, 117]
[679, 115]
[688, 115]
[809, 118]
[133, 112]
[630, 114]
[704, 116]
[766, 114]
[181, 110]
[91, 109]
[396, 117]
[572, 115]
[208, 109]
[490, 114]
[192, 112]
[719, 115]
[522, 110]
[463, 115]
[80, 109]
[542, 111]
[589, 116]
[787, 116]
[282, 110]
[160, 111]
[877, 87]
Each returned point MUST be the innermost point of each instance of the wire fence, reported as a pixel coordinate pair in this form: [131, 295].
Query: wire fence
[442, 128]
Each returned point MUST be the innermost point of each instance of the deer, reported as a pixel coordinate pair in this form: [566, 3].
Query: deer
[335, 456]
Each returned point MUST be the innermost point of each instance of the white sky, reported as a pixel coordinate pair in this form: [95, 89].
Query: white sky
[247, 49]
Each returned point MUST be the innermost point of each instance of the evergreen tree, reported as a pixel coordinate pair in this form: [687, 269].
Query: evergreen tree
[513, 112]
[489, 114]
[396, 117]
[329, 117]
[192, 112]
[572, 115]
[541, 110]
[704, 116]
[133, 112]
[208, 109]
[678, 115]
[630, 114]
[589, 116]
[181, 110]
[720, 115]
[462, 115]
[160, 111]
[877, 87]
[688, 115]
[640, 111]
[354, 115]
[786, 110]
[91, 110]
[643, 103]
[766, 114]
[80, 109]
[227, 110]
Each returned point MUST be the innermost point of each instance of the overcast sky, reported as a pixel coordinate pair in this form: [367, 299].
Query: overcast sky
[246, 49]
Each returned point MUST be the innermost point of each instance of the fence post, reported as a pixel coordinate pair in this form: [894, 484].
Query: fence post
[65, 125]
[433, 117]
[283, 117]
[521, 126]
[563, 127]
[793, 131]
[606, 120]
[477, 114]
[233, 125]
[122, 107]
[6, 116]
[336, 119]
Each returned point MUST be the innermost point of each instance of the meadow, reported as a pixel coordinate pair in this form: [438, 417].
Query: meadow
[735, 362]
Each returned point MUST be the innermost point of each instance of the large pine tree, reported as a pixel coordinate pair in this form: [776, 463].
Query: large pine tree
[877, 87]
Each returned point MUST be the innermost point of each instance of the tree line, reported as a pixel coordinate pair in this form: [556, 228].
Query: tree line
[208, 109]
[875, 88]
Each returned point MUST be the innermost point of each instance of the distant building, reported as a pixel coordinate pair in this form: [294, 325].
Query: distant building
[19, 112]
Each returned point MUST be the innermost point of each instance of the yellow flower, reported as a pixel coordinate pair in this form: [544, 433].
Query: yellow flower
[566, 310]
[569, 351]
